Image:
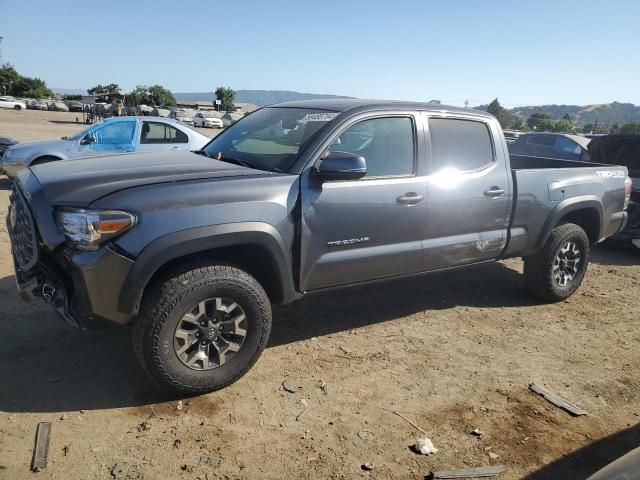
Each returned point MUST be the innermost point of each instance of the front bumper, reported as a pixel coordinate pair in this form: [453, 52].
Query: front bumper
[82, 287]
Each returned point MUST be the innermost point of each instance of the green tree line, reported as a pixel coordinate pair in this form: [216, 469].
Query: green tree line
[16, 85]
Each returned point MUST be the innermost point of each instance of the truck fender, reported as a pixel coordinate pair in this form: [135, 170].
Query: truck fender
[202, 239]
[565, 207]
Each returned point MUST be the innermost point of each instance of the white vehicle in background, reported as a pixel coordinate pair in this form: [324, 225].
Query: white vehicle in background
[116, 135]
[184, 116]
[208, 120]
[10, 102]
[230, 118]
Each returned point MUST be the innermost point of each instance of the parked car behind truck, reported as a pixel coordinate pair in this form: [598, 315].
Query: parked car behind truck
[191, 248]
[114, 135]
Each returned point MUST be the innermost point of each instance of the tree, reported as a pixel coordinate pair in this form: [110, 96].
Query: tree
[158, 95]
[536, 120]
[12, 83]
[154, 95]
[506, 119]
[630, 128]
[226, 95]
[110, 89]
[615, 128]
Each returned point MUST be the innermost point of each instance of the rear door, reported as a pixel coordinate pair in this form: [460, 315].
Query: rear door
[469, 193]
[156, 136]
[359, 230]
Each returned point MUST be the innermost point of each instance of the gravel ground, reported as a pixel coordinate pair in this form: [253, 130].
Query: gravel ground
[452, 352]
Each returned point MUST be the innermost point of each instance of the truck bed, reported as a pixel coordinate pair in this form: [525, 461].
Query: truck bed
[545, 186]
[525, 162]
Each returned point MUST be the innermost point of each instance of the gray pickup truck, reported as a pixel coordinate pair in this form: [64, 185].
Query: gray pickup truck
[191, 248]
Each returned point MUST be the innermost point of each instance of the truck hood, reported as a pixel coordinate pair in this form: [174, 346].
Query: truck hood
[80, 182]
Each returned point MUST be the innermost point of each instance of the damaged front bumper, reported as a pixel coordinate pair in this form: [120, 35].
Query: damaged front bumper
[82, 287]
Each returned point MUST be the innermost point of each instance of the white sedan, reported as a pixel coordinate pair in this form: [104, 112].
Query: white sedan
[207, 119]
[10, 102]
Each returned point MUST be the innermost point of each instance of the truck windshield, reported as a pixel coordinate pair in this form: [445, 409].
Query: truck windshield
[270, 138]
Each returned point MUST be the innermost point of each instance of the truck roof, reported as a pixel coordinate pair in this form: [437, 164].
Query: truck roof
[344, 104]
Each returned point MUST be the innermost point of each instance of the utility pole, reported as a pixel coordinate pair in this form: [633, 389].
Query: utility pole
[466, 104]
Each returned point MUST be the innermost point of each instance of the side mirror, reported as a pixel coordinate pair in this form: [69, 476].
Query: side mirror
[341, 166]
[88, 139]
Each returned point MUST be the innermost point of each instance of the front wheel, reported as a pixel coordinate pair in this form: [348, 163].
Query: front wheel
[17, 107]
[557, 270]
[202, 327]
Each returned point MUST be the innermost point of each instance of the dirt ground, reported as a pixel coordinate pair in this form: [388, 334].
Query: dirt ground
[452, 352]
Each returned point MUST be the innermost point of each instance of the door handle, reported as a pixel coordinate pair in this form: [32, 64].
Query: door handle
[175, 148]
[494, 192]
[410, 198]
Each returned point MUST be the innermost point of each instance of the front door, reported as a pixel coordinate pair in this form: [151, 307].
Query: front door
[469, 198]
[116, 136]
[359, 230]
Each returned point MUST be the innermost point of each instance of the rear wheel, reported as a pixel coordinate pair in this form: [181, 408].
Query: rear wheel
[202, 327]
[557, 270]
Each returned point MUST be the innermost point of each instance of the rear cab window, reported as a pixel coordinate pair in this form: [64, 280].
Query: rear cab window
[460, 144]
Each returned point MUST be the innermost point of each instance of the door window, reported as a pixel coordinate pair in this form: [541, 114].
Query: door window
[387, 144]
[115, 133]
[463, 145]
[157, 132]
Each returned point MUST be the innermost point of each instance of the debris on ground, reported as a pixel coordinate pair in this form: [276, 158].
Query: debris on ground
[367, 466]
[303, 412]
[211, 461]
[144, 426]
[493, 456]
[557, 401]
[179, 405]
[119, 470]
[424, 446]
[289, 386]
[478, 472]
[176, 443]
[365, 434]
[65, 450]
[395, 412]
[323, 387]
[41, 450]
[477, 432]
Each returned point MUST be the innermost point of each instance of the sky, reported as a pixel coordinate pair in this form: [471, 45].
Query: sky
[524, 53]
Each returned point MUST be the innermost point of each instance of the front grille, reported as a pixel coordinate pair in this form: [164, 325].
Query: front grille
[22, 231]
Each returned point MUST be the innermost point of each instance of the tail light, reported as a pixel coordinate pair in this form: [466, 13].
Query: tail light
[627, 191]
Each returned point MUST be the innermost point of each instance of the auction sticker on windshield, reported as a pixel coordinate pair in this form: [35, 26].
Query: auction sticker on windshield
[319, 117]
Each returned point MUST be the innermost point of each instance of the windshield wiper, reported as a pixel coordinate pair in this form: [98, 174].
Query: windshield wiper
[229, 159]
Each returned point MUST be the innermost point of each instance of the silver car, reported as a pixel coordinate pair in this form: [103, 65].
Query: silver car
[113, 135]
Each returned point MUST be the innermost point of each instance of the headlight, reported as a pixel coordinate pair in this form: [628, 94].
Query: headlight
[87, 229]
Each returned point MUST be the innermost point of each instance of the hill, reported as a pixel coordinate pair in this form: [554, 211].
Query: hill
[257, 97]
[605, 113]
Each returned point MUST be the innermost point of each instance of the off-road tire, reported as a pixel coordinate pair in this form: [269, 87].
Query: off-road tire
[167, 300]
[538, 268]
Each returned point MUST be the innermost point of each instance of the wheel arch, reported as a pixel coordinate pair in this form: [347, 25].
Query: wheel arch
[584, 211]
[254, 247]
